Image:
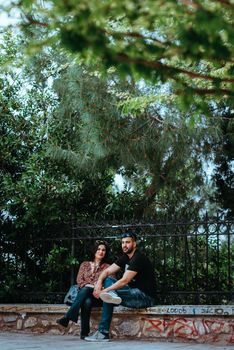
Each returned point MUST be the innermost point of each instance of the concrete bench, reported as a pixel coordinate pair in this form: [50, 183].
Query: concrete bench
[197, 323]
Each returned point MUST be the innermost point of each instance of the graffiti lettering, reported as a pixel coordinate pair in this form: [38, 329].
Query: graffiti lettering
[195, 310]
[190, 328]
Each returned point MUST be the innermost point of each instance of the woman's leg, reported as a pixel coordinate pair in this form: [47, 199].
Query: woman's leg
[83, 294]
[86, 308]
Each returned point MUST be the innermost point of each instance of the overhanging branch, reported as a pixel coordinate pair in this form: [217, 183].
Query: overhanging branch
[176, 70]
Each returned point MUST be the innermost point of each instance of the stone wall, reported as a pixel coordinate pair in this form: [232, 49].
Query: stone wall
[202, 324]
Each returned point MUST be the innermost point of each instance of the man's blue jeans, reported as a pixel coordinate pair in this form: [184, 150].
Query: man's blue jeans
[131, 297]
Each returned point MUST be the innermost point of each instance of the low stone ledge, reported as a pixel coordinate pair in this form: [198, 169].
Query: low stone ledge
[198, 310]
[181, 323]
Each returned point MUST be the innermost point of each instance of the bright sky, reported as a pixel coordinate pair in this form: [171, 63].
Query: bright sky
[7, 18]
[119, 183]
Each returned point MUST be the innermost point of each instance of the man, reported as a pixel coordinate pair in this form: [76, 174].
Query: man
[135, 289]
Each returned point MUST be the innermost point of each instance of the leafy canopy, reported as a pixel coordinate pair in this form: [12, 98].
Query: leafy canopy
[186, 43]
[153, 146]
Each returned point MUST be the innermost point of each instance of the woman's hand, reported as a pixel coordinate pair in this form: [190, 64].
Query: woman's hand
[97, 290]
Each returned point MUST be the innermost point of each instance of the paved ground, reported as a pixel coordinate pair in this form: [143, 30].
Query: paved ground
[19, 341]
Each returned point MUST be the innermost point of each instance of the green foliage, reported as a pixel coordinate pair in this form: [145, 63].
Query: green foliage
[68, 129]
[223, 175]
[187, 43]
[38, 191]
[116, 124]
[155, 131]
[190, 263]
[58, 262]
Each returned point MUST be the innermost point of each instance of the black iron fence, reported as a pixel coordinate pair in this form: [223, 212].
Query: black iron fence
[194, 261]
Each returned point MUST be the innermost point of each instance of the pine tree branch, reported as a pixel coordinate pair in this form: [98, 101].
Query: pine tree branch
[32, 21]
[166, 67]
[226, 3]
[162, 44]
[137, 35]
[207, 91]
[193, 4]
[157, 118]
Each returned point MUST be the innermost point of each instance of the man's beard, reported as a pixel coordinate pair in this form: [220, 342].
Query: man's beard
[129, 250]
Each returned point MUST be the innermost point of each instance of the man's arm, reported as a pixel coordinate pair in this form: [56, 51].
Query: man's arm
[127, 277]
[111, 270]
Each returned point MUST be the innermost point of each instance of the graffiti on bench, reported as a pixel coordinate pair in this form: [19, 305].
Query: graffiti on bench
[218, 310]
[202, 329]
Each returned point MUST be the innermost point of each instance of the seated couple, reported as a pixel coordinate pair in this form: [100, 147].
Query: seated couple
[135, 289]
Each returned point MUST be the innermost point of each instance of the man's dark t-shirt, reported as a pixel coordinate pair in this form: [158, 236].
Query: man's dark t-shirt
[145, 277]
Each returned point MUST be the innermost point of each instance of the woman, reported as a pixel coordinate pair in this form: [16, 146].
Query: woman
[87, 276]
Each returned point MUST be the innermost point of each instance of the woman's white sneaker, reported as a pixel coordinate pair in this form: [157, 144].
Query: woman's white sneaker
[110, 297]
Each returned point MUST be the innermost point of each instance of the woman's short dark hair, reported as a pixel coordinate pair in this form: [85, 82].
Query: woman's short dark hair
[95, 248]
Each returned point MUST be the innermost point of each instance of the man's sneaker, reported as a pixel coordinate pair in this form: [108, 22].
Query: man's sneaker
[110, 297]
[98, 336]
[63, 321]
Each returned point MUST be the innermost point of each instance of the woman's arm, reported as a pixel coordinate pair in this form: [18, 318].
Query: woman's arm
[80, 280]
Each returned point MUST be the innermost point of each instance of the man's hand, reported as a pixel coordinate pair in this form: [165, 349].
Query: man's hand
[111, 270]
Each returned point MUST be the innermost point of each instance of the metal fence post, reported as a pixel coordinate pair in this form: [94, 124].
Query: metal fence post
[72, 278]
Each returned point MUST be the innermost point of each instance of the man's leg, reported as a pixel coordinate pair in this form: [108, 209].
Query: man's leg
[134, 298]
[127, 296]
[107, 311]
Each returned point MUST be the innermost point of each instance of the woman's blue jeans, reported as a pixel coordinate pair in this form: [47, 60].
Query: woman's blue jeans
[131, 297]
[84, 302]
